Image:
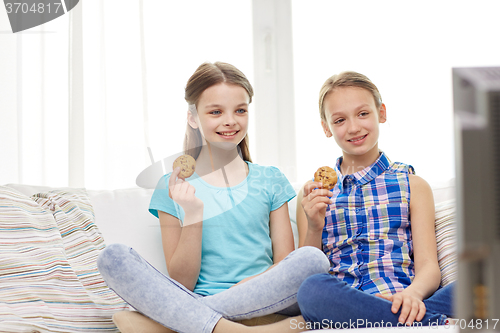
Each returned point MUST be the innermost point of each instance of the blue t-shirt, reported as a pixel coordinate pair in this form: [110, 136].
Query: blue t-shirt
[236, 243]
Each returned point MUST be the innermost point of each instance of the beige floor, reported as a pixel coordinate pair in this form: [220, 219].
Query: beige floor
[135, 322]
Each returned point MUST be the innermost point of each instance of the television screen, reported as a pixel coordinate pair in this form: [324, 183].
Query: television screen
[476, 97]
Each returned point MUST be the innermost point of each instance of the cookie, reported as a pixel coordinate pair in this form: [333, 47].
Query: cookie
[327, 176]
[187, 165]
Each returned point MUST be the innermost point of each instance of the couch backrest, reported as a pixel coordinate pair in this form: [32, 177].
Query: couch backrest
[122, 216]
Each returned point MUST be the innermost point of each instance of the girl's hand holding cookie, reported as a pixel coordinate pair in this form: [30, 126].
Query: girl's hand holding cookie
[315, 197]
[183, 193]
[315, 200]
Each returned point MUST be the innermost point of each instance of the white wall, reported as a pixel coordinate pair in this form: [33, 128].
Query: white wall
[407, 49]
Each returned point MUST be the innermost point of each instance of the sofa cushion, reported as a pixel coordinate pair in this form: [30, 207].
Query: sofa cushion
[123, 217]
[48, 273]
[446, 233]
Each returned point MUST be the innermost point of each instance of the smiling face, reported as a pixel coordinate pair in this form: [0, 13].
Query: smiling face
[352, 118]
[222, 115]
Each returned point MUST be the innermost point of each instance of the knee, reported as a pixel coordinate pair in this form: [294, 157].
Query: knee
[310, 290]
[321, 289]
[311, 296]
[113, 255]
[314, 260]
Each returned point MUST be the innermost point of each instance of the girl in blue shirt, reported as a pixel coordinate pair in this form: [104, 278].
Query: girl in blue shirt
[226, 232]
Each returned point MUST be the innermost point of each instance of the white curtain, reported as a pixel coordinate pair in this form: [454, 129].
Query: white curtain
[90, 91]
[138, 57]
[34, 103]
[128, 63]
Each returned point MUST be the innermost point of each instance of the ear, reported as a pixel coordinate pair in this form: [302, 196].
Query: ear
[191, 118]
[383, 114]
[326, 129]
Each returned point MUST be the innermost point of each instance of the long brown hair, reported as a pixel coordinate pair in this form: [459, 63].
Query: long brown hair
[347, 79]
[205, 76]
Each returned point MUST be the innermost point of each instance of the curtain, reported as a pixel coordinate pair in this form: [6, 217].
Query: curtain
[34, 103]
[88, 93]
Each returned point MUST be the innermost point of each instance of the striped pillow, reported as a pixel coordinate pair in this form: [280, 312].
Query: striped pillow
[48, 273]
[446, 241]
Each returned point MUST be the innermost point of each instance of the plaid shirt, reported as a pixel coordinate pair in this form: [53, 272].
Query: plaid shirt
[367, 233]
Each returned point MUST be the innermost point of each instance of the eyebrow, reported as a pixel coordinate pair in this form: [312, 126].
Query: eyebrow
[220, 106]
[361, 106]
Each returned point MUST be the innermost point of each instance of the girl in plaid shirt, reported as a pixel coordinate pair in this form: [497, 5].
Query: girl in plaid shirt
[384, 268]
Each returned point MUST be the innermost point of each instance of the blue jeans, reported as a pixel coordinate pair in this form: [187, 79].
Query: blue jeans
[325, 300]
[171, 304]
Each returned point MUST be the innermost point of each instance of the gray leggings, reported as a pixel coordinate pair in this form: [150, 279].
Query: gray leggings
[171, 304]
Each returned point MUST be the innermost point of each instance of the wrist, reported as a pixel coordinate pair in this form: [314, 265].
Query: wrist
[193, 216]
[315, 227]
[313, 238]
[413, 292]
[194, 209]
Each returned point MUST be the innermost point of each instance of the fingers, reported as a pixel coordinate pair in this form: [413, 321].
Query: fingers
[421, 312]
[190, 190]
[173, 177]
[397, 300]
[313, 194]
[314, 203]
[412, 309]
[386, 297]
[408, 312]
[182, 188]
[308, 187]
[178, 187]
[172, 181]
[314, 198]
[317, 195]
[311, 186]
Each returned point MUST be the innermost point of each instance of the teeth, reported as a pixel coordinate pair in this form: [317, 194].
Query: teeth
[357, 139]
[228, 134]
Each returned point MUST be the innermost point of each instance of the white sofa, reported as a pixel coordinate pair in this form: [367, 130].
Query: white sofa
[122, 217]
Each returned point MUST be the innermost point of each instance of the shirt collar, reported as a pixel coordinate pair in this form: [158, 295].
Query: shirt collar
[367, 174]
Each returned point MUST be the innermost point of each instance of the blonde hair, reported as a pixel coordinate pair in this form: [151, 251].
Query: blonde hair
[205, 76]
[347, 79]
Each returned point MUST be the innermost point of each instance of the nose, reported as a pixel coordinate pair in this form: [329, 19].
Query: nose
[354, 127]
[229, 119]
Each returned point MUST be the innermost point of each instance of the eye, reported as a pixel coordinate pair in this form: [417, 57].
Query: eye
[364, 113]
[339, 121]
[241, 111]
[215, 112]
